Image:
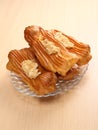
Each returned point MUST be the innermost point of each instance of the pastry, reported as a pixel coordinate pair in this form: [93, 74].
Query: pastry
[74, 71]
[51, 55]
[80, 49]
[24, 63]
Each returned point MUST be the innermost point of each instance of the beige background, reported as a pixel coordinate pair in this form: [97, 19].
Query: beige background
[75, 110]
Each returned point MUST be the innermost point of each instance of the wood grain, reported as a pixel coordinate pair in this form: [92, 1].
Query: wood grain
[75, 110]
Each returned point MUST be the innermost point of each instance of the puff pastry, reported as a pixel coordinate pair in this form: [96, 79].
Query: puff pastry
[74, 71]
[51, 55]
[24, 63]
[80, 49]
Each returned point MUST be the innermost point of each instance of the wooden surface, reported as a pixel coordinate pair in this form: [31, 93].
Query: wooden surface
[75, 110]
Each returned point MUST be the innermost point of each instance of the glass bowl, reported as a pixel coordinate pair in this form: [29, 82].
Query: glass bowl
[61, 86]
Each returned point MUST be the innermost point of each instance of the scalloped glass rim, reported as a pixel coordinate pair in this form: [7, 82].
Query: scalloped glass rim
[62, 85]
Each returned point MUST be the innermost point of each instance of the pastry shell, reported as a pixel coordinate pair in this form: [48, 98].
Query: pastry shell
[43, 84]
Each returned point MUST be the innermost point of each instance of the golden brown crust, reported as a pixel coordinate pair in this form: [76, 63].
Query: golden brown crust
[80, 49]
[56, 55]
[43, 84]
[60, 62]
[74, 71]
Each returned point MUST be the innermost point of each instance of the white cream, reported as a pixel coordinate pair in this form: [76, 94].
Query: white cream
[64, 40]
[30, 68]
[50, 47]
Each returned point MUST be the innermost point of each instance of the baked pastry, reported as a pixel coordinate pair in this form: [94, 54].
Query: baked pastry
[74, 71]
[50, 53]
[52, 56]
[80, 49]
[24, 63]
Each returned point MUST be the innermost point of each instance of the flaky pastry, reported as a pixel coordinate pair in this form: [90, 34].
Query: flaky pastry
[24, 63]
[80, 49]
[74, 71]
[49, 52]
[52, 56]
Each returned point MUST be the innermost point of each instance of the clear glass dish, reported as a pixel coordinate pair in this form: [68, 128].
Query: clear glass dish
[61, 86]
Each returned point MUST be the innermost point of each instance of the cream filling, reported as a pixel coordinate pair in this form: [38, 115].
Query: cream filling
[64, 40]
[30, 68]
[50, 47]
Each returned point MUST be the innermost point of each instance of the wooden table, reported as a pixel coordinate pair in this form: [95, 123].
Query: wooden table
[75, 110]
